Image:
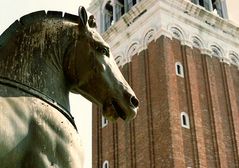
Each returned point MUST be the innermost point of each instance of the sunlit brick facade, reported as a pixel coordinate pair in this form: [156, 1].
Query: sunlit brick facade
[182, 60]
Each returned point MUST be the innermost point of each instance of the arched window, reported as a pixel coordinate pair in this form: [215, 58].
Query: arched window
[206, 4]
[114, 9]
[130, 4]
[108, 15]
[185, 120]
[179, 69]
[119, 9]
[104, 122]
[106, 164]
[217, 6]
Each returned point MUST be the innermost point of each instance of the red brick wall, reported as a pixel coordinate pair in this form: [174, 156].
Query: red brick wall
[200, 117]
[208, 93]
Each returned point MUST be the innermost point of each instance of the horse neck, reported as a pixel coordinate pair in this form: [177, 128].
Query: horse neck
[35, 59]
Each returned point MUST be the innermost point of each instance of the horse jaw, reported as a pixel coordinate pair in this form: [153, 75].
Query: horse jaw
[113, 107]
[122, 103]
[114, 110]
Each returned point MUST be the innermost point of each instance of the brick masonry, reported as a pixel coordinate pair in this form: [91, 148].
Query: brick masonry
[208, 93]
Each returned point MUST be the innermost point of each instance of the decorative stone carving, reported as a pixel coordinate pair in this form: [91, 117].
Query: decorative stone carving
[183, 20]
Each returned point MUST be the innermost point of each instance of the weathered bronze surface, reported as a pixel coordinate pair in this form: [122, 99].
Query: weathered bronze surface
[43, 57]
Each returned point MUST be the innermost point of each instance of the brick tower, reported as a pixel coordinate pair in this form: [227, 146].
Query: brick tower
[181, 58]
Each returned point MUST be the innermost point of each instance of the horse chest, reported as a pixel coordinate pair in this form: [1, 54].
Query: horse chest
[34, 133]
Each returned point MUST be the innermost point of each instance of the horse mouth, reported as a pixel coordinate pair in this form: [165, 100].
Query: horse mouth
[113, 110]
[120, 112]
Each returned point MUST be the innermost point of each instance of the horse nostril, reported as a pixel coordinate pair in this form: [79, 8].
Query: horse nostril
[134, 101]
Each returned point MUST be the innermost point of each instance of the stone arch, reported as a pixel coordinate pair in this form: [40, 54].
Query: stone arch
[234, 58]
[118, 60]
[217, 51]
[132, 50]
[197, 42]
[177, 32]
[149, 36]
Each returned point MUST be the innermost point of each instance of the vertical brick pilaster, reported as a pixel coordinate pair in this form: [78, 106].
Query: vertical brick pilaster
[231, 125]
[195, 111]
[232, 75]
[173, 99]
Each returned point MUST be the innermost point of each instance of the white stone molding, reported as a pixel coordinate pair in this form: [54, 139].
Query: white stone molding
[191, 24]
[206, 51]
[132, 50]
[118, 60]
[177, 32]
[217, 51]
[197, 42]
[234, 58]
[149, 36]
[163, 32]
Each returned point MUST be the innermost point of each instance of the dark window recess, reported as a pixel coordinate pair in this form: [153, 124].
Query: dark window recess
[179, 70]
[184, 120]
[108, 15]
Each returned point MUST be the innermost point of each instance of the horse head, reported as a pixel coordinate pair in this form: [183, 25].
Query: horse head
[98, 78]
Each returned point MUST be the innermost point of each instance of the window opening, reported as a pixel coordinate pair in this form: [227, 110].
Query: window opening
[119, 9]
[204, 3]
[185, 120]
[216, 6]
[104, 122]
[201, 3]
[179, 69]
[105, 164]
[108, 15]
[130, 4]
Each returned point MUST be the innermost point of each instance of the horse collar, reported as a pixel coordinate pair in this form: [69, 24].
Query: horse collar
[36, 93]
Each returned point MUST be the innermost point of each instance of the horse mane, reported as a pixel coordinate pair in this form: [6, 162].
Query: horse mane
[33, 51]
[31, 18]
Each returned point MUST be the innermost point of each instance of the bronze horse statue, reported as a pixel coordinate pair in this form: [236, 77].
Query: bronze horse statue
[43, 57]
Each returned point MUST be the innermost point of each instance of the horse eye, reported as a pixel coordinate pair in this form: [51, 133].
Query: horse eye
[103, 50]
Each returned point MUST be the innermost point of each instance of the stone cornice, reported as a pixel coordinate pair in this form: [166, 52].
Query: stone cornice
[192, 25]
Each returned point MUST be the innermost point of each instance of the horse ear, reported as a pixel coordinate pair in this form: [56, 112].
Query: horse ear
[83, 15]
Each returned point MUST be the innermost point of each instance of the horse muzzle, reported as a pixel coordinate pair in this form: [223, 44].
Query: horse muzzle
[126, 109]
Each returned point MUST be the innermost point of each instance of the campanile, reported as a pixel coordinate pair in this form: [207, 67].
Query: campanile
[181, 58]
